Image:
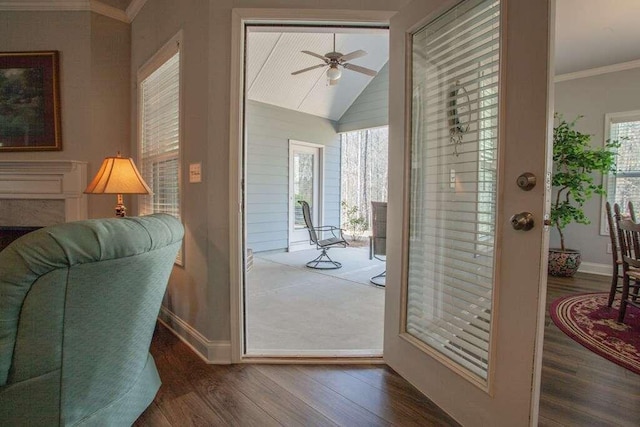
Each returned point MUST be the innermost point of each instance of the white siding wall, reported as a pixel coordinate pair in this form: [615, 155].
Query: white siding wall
[371, 108]
[269, 130]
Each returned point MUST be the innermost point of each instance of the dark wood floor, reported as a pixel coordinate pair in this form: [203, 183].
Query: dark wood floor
[579, 388]
[196, 394]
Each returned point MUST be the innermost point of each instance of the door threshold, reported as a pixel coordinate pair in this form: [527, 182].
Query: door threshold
[314, 360]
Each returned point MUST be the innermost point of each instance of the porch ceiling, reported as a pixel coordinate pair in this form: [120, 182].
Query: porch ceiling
[273, 56]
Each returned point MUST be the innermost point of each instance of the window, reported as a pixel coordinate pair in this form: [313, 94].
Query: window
[624, 185]
[159, 131]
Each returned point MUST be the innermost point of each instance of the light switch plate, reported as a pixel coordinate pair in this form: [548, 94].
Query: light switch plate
[195, 172]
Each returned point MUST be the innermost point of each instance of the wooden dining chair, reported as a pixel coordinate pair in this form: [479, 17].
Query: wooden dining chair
[629, 239]
[616, 274]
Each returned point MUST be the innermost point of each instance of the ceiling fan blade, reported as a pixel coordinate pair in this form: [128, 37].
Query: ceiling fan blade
[317, 55]
[353, 55]
[308, 69]
[360, 69]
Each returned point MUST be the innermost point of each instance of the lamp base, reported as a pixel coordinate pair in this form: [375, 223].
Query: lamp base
[121, 209]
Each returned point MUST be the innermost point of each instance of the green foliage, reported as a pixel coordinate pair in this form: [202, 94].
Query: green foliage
[356, 224]
[574, 161]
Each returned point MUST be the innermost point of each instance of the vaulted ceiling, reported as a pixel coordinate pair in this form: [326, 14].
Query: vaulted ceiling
[273, 56]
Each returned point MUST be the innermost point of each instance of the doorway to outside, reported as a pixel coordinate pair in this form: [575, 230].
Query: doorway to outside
[307, 139]
[304, 185]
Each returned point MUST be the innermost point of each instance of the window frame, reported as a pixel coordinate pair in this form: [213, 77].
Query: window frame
[166, 52]
[609, 119]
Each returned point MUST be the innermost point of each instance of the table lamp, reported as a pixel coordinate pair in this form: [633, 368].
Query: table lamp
[118, 175]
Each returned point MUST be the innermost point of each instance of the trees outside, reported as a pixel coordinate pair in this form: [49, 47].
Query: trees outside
[364, 172]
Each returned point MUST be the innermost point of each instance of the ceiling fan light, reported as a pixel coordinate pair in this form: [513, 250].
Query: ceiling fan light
[334, 73]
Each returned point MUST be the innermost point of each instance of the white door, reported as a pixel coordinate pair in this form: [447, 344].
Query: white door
[469, 113]
[304, 184]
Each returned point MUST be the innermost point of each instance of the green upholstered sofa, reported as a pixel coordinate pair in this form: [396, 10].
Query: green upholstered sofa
[78, 306]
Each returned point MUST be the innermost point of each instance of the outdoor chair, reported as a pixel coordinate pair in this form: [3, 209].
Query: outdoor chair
[323, 261]
[379, 238]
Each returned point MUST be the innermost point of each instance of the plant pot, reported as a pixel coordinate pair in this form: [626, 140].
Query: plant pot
[563, 263]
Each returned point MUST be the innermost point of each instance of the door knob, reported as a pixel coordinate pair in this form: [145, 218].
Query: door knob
[522, 221]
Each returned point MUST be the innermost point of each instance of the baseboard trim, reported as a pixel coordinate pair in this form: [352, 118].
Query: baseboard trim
[595, 268]
[212, 352]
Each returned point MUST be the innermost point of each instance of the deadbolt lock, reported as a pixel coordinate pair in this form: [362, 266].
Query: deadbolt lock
[522, 221]
[526, 181]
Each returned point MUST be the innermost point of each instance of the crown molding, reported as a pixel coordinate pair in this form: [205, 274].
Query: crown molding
[109, 11]
[45, 5]
[134, 7]
[623, 66]
[66, 5]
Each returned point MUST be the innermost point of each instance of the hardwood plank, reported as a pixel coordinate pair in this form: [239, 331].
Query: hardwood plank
[152, 417]
[391, 407]
[565, 415]
[190, 410]
[333, 406]
[213, 386]
[282, 405]
[387, 379]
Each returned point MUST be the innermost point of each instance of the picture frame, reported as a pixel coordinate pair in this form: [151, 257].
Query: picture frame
[30, 101]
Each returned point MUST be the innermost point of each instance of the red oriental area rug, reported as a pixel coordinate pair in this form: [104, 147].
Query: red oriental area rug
[587, 320]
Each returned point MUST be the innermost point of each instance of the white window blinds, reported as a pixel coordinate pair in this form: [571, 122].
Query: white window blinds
[452, 198]
[160, 138]
[624, 186]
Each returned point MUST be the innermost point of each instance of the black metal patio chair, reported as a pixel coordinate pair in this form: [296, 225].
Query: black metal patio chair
[323, 261]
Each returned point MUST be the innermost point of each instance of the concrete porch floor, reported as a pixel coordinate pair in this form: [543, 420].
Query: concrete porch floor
[293, 310]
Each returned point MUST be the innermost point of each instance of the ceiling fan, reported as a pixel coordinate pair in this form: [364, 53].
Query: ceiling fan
[334, 60]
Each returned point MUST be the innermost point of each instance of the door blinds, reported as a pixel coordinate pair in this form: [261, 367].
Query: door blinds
[452, 197]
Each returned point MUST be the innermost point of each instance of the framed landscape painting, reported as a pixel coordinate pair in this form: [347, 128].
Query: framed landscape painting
[29, 101]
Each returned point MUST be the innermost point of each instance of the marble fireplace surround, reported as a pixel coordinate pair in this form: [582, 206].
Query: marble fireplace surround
[37, 193]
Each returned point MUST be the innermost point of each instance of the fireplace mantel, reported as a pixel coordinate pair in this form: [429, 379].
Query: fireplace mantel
[46, 180]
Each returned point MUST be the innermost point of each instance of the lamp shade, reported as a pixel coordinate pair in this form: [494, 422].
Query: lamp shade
[118, 175]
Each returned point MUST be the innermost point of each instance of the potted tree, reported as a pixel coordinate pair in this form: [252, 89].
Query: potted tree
[574, 161]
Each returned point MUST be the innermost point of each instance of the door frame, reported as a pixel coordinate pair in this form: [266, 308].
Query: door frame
[240, 17]
[318, 191]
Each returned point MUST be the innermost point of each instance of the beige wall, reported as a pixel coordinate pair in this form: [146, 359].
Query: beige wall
[94, 80]
[199, 294]
[196, 292]
[593, 97]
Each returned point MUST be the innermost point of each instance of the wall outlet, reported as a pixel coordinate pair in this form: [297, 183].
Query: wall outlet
[609, 248]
